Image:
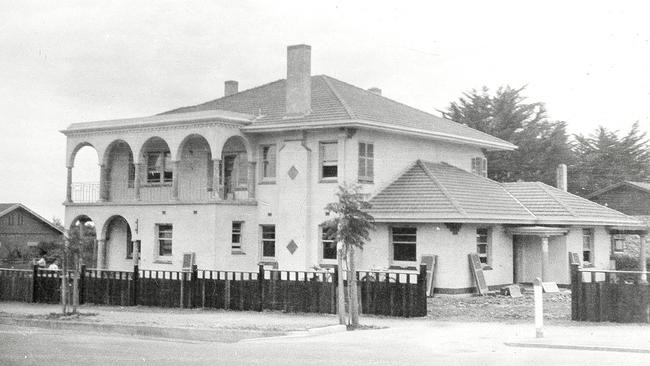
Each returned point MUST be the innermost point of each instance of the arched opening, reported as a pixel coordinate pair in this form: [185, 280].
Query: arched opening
[234, 169]
[195, 168]
[82, 240]
[120, 171]
[84, 174]
[118, 246]
[157, 173]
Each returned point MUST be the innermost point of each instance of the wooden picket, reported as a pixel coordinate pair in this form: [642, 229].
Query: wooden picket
[606, 295]
[381, 293]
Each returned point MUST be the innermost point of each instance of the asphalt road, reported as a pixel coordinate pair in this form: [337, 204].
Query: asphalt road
[398, 346]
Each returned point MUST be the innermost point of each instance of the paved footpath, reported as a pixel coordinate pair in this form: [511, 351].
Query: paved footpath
[236, 326]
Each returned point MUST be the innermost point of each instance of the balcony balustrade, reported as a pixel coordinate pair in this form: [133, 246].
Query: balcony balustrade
[125, 191]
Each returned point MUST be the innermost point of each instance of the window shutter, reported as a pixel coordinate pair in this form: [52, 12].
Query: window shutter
[474, 167]
[484, 167]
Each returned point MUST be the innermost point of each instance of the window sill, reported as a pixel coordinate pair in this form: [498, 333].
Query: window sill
[163, 261]
[265, 182]
[487, 268]
[328, 180]
[145, 185]
[237, 252]
[366, 181]
[404, 267]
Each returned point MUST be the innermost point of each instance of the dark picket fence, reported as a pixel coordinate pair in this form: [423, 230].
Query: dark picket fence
[380, 293]
[16, 285]
[607, 295]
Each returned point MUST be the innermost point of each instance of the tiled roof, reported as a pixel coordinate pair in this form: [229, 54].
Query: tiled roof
[551, 204]
[334, 100]
[441, 192]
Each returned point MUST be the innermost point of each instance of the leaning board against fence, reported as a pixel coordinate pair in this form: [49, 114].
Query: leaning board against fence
[381, 293]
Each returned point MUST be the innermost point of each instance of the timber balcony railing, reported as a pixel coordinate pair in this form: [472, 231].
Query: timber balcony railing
[125, 191]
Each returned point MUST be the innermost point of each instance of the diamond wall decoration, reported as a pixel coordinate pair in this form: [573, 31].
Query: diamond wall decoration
[292, 246]
[293, 172]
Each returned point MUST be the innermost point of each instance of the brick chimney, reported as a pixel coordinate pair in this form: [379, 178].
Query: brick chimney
[375, 90]
[561, 177]
[231, 87]
[298, 97]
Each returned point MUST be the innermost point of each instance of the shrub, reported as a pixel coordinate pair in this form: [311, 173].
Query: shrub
[626, 262]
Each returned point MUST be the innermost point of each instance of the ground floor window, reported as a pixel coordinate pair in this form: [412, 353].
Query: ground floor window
[482, 245]
[329, 244]
[404, 241]
[588, 246]
[164, 234]
[268, 241]
[236, 236]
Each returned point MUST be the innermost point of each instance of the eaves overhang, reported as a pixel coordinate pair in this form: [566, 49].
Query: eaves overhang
[292, 125]
[160, 120]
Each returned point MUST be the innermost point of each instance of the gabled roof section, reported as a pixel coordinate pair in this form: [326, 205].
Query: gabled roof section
[6, 208]
[441, 192]
[641, 186]
[555, 206]
[338, 104]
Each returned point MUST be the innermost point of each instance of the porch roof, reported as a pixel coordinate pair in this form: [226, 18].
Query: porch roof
[439, 192]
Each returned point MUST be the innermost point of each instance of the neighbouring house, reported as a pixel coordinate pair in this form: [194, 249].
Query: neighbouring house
[243, 180]
[21, 229]
[631, 198]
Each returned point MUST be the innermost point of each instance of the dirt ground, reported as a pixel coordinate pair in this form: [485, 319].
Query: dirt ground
[557, 306]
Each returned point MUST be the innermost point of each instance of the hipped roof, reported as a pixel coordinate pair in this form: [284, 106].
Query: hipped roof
[439, 192]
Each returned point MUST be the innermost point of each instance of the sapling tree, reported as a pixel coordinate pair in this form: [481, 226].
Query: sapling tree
[350, 227]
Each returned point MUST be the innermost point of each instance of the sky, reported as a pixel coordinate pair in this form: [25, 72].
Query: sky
[74, 61]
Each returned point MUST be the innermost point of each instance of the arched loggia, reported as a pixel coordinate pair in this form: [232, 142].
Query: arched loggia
[83, 174]
[118, 244]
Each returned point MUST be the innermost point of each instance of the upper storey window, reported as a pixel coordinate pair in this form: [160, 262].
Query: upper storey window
[479, 166]
[366, 162]
[329, 160]
[159, 167]
[268, 162]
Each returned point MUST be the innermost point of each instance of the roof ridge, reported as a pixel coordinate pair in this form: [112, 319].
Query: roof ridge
[175, 110]
[347, 108]
[446, 120]
[441, 187]
[502, 185]
[550, 193]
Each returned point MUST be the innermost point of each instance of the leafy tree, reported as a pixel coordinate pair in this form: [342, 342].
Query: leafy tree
[542, 144]
[604, 158]
[350, 227]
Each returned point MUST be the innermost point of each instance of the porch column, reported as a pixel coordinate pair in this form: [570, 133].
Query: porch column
[251, 179]
[68, 188]
[136, 180]
[175, 165]
[103, 182]
[101, 253]
[642, 254]
[545, 261]
[216, 183]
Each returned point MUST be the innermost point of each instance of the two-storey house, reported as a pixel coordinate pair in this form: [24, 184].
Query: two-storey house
[244, 179]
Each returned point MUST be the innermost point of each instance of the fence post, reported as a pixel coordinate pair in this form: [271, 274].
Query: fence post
[575, 292]
[422, 290]
[135, 278]
[82, 285]
[34, 284]
[260, 286]
[193, 282]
